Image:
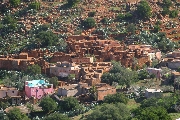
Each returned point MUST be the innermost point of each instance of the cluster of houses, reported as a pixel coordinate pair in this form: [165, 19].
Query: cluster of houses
[87, 59]
[86, 69]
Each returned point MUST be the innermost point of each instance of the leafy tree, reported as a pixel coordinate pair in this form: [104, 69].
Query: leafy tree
[33, 70]
[131, 28]
[104, 20]
[116, 98]
[152, 113]
[54, 81]
[34, 5]
[173, 14]
[120, 74]
[144, 10]
[127, 16]
[14, 3]
[48, 104]
[93, 92]
[166, 102]
[117, 111]
[178, 69]
[4, 105]
[167, 3]
[72, 3]
[165, 11]
[15, 114]
[71, 76]
[89, 23]
[156, 28]
[56, 116]
[143, 74]
[11, 22]
[70, 103]
[47, 38]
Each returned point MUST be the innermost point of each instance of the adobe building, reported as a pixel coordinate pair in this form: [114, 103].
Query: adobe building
[172, 60]
[63, 69]
[103, 90]
[73, 89]
[12, 93]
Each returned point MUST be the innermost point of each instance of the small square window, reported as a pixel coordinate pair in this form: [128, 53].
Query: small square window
[12, 91]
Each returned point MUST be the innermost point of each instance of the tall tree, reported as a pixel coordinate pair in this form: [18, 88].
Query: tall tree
[54, 81]
[15, 114]
[144, 10]
[14, 3]
[152, 113]
[117, 111]
[70, 103]
[116, 98]
[33, 70]
[56, 116]
[48, 104]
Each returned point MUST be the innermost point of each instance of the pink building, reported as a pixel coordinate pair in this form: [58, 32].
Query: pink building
[38, 88]
[155, 71]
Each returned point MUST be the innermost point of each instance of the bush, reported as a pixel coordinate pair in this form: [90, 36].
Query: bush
[89, 23]
[34, 5]
[91, 14]
[173, 14]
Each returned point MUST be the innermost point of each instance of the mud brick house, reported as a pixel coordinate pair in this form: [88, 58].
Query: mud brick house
[60, 57]
[63, 69]
[73, 89]
[107, 50]
[103, 90]
[10, 93]
[82, 60]
[172, 60]
[38, 88]
[91, 73]
[21, 62]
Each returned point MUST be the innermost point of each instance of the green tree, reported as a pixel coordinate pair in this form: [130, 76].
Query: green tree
[117, 111]
[116, 98]
[156, 28]
[47, 38]
[34, 5]
[144, 10]
[70, 103]
[48, 104]
[143, 74]
[89, 23]
[152, 113]
[56, 116]
[93, 92]
[131, 28]
[165, 11]
[121, 75]
[15, 114]
[54, 81]
[14, 3]
[167, 3]
[104, 20]
[4, 105]
[33, 70]
[71, 76]
[91, 14]
[173, 14]
[72, 3]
